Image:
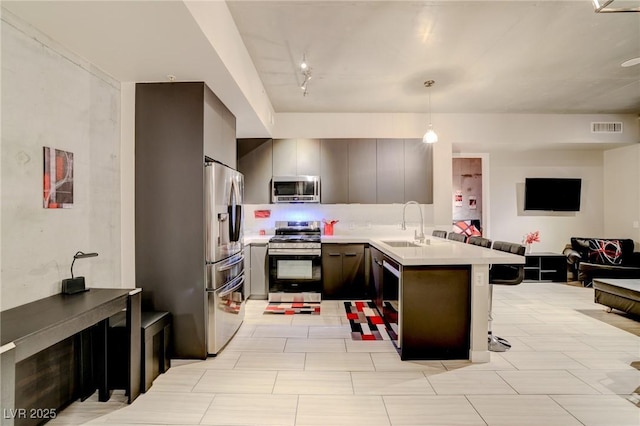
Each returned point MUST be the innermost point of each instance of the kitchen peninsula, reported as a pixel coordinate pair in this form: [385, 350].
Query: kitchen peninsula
[441, 293]
[443, 296]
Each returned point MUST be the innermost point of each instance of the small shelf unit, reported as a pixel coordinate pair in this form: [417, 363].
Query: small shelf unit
[545, 267]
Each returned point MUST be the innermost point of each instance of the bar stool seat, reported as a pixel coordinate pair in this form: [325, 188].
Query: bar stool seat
[479, 241]
[439, 233]
[457, 237]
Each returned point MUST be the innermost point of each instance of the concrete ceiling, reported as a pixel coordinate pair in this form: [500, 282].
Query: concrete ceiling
[485, 56]
[370, 56]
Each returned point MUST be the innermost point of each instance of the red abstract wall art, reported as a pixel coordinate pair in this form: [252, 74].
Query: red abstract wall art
[57, 179]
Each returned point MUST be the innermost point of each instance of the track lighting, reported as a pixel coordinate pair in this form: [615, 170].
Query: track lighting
[607, 6]
[430, 136]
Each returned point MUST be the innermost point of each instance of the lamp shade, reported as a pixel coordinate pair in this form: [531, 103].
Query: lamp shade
[430, 136]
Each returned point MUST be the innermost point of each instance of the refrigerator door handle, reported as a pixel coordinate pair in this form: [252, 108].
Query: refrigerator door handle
[231, 287]
[235, 211]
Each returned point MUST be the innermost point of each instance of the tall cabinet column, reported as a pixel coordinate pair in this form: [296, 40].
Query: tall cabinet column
[177, 124]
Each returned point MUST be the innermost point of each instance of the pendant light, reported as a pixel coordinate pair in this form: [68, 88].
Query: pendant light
[305, 69]
[430, 136]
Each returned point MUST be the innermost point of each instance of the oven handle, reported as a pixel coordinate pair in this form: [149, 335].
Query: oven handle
[295, 252]
[229, 288]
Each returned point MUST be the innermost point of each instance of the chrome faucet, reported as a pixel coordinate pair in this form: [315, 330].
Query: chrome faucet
[419, 237]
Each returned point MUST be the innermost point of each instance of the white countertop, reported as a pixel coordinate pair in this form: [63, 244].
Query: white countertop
[445, 252]
[437, 252]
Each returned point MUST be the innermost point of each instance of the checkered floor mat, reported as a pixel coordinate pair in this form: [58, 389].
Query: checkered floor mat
[367, 323]
[290, 308]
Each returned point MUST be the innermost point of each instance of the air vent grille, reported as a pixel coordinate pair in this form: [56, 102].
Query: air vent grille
[606, 127]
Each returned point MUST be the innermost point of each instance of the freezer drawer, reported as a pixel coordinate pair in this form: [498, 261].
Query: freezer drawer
[225, 313]
[221, 273]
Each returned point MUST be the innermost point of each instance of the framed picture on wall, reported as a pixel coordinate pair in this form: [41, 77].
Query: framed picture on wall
[473, 204]
[57, 179]
[457, 198]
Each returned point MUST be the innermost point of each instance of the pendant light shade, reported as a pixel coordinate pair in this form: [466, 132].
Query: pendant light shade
[430, 136]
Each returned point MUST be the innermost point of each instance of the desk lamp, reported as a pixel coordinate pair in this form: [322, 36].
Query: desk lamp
[75, 285]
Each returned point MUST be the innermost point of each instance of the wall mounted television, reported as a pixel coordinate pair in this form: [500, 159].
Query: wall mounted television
[552, 194]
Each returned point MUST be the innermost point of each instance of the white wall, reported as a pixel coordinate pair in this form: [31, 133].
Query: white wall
[52, 98]
[511, 131]
[128, 184]
[622, 193]
[509, 222]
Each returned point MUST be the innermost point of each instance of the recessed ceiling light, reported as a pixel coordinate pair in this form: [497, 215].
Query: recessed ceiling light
[630, 62]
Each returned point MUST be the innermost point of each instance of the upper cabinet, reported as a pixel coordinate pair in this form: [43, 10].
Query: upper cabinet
[418, 171]
[362, 171]
[334, 171]
[219, 130]
[255, 163]
[284, 157]
[308, 157]
[390, 171]
[295, 157]
[365, 171]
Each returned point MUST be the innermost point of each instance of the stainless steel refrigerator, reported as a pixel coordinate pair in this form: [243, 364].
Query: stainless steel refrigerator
[224, 259]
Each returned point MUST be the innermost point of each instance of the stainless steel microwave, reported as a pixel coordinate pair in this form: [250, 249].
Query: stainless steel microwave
[295, 189]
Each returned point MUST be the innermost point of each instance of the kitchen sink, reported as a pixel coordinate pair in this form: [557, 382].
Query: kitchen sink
[401, 244]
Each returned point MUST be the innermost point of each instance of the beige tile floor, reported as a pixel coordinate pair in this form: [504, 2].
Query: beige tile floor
[565, 368]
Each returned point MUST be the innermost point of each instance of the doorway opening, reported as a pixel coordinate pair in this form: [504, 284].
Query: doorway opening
[470, 194]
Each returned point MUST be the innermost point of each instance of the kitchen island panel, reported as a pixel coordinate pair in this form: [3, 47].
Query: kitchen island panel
[435, 303]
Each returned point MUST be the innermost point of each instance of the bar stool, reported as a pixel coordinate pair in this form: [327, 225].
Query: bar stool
[457, 237]
[479, 241]
[503, 275]
[438, 233]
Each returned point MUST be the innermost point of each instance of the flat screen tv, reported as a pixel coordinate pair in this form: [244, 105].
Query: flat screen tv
[552, 194]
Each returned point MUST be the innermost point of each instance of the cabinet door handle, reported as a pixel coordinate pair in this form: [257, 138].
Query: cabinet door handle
[334, 254]
[378, 262]
[351, 254]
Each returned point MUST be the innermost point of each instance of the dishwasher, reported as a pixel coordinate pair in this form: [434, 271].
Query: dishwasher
[391, 289]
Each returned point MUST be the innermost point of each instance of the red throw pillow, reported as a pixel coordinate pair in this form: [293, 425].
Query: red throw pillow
[605, 252]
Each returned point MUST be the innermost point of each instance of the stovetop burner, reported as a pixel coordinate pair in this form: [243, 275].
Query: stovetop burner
[296, 235]
[295, 238]
[297, 228]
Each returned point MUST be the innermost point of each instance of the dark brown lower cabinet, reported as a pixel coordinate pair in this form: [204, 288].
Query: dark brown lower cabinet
[436, 312]
[343, 271]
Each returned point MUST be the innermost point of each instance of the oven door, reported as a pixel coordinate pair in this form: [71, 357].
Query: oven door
[295, 271]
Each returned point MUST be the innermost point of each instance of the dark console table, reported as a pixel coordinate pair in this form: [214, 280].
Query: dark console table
[54, 350]
[544, 266]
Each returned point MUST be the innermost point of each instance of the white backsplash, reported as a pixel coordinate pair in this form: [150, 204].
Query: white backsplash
[354, 219]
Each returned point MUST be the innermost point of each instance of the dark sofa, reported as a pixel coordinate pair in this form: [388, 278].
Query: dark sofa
[590, 258]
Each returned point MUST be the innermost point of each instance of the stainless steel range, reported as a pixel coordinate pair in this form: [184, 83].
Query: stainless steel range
[295, 262]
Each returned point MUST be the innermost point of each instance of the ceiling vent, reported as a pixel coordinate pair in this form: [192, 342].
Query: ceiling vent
[606, 127]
